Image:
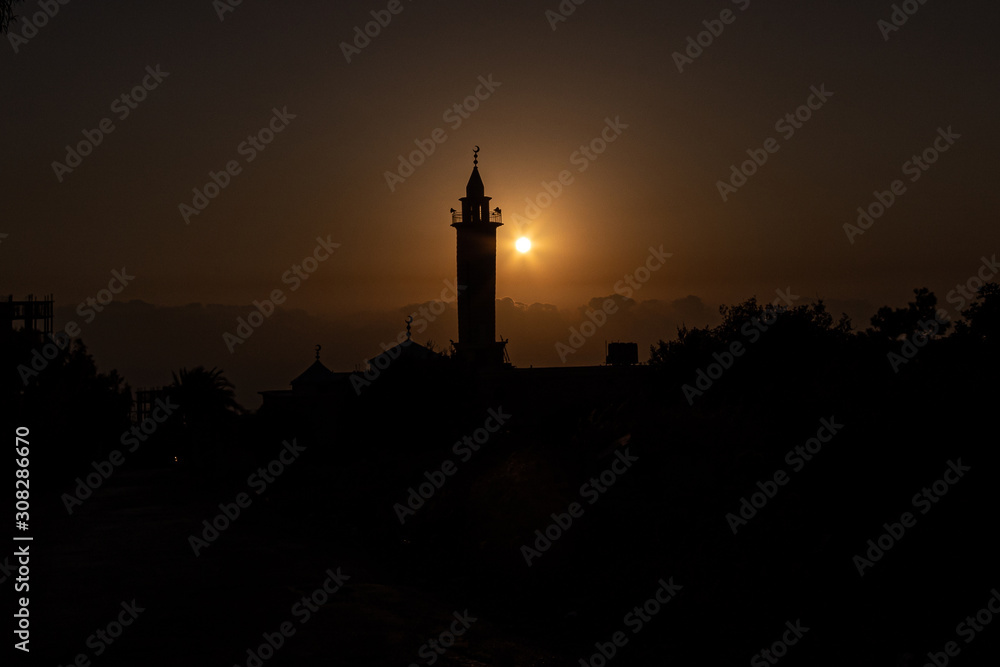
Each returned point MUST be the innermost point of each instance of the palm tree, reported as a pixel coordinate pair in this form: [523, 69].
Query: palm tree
[206, 397]
[208, 408]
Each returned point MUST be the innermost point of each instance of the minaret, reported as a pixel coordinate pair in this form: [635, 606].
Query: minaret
[477, 275]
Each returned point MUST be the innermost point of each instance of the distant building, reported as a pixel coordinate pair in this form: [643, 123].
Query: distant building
[144, 403]
[31, 313]
[622, 354]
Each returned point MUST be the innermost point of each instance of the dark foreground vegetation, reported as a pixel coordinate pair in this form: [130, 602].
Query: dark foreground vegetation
[747, 478]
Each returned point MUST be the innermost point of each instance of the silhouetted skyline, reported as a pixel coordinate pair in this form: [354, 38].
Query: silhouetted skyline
[233, 144]
[697, 371]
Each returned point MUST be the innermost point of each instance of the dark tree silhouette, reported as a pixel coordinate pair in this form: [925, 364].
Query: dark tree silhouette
[66, 401]
[7, 13]
[896, 323]
[983, 316]
[801, 325]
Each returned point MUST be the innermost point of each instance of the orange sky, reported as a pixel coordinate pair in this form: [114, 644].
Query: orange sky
[324, 175]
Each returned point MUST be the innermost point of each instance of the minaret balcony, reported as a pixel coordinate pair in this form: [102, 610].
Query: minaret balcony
[496, 216]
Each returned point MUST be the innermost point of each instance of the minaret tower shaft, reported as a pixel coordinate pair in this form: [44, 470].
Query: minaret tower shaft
[476, 227]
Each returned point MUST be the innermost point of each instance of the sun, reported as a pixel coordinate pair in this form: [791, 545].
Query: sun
[523, 244]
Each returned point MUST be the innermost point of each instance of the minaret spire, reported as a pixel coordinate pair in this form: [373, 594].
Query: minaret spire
[475, 187]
